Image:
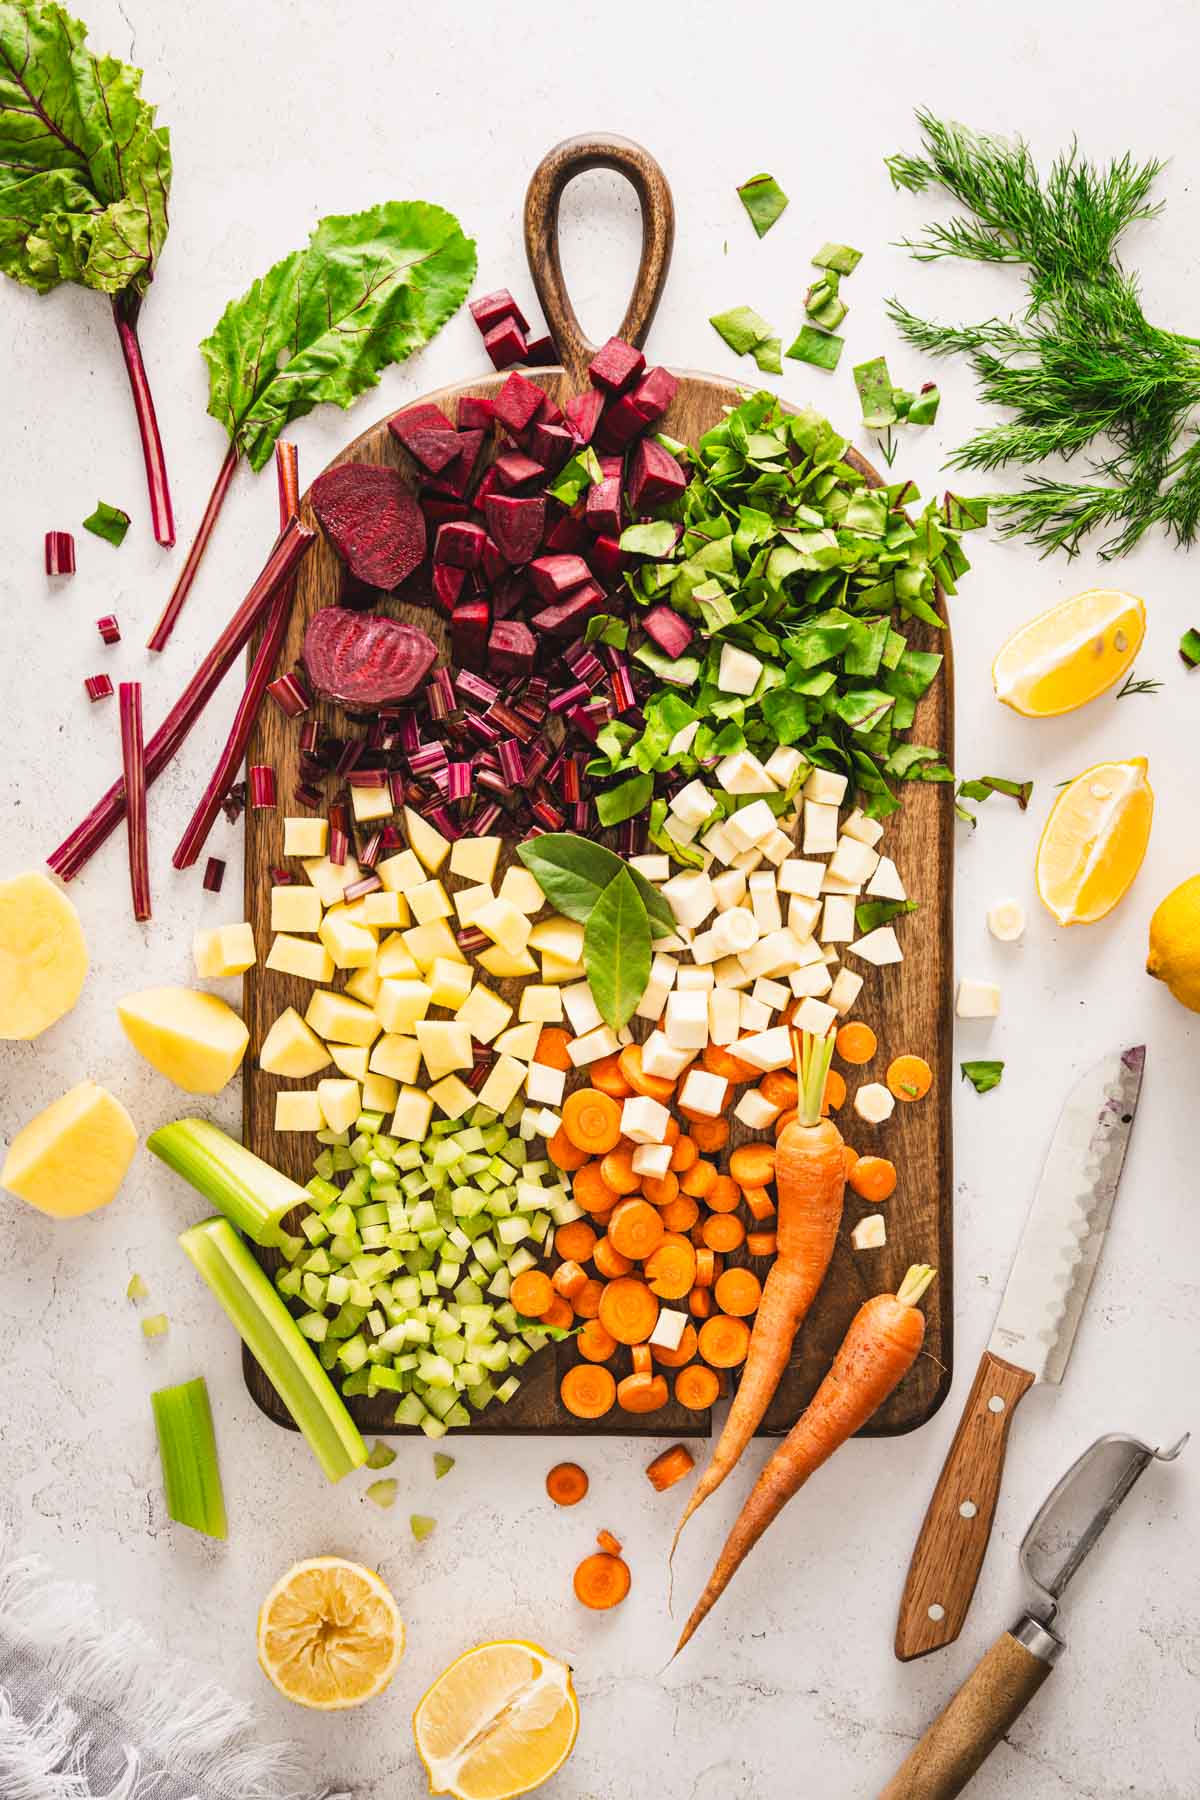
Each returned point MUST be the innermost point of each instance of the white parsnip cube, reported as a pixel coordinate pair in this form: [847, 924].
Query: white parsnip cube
[766, 1049]
[874, 1103]
[853, 861]
[764, 902]
[857, 825]
[670, 1325]
[703, 1092]
[728, 888]
[885, 883]
[580, 1007]
[687, 1019]
[652, 1159]
[796, 876]
[754, 1015]
[880, 947]
[750, 825]
[802, 917]
[589, 1048]
[742, 773]
[718, 842]
[820, 828]
[724, 1016]
[693, 804]
[690, 897]
[655, 867]
[825, 787]
[662, 1058]
[846, 988]
[734, 930]
[545, 1085]
[644, 1121]
[770, 993]
[706, 948]
[695, 980]
[813, 978]
[837, 921]
[783, 764]
[870, 1233]
[653, 1002]
[977, 1000]
[730, 974]
[755, 1111]
[815, 1016]
[738, 672]
[777, 848]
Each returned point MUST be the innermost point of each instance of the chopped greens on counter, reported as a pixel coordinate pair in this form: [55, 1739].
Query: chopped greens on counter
[823, 303]
[421, 1526]
[382, 1456]
[764, 200]
[748, 334]
[822, 349]
[1189, 647]
[108, 522]
[442, 1464]
[983, 1076]
[980, 789]
[136, 1289]
[383, 1493]
[871, 913]
[838, 257]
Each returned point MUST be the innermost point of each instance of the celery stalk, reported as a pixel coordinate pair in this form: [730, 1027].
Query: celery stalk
[247, 1190]
[273, 1339]
[188, 1449]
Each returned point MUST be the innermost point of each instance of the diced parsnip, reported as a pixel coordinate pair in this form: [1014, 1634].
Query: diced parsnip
[445, 1046]
[803, 914]
[392, 959]
[1006, 920]
[522, 890]
[753, 1015]
[695, 981]
[977, 1000]
[413, 1112]
[467, 901]
[369, 803]
[690, 897]
[816, 1016]
[846, 988]
[826, 788]
[703, 1092]
[295, 908]
[755, 1111]
[764, 901]
[581, 1008]
[384, 911]
[857, 825]
[880, 947]
[705, 949]
[663, 1059]
[298, 1109]
[497, 962]
[192, 1038]
[475, 858]
[724, 1016]
[820, 827]
[305, 837]
[401, 873]
[545, 1085]
[853, 861]
[885, 883]
[837, 919]
[651, 868]
[429, 901]
[400, 1004]
[339, 1020]
[684, 738]
[449, 983]
[687, 1019]
[729, 889]
[430, 846]
[749, 826]
[717, 842]
[652, 1159]
[554, 969]
[380, 1093]
[870, 1233]
[541, 1004]
[425, 943]
[301, 957]
[766, 1049]
[396, 1056]
[777, 848]
[452, 1096]
[653, 1001]
[669, 1328]
[225, 950]
[351, 1060]
[729, 973]
[784, 764]
[738, 672]
[290, 1048]
[748, 860]
[771, 993]
[484, 1013]
[693, 804]
[644, 1121]
[503, 1084]
[837, 884]
[814, 978]
[776, 954]
[520, 1041]
[589, 1048]
[796, 876]
[351, 946]
[341, 1103]
[331, 879]
[874, 1103]
[742, 773]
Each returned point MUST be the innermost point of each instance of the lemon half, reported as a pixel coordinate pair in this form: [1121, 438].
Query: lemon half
[329, 1634]
[1094, 841]
[1068, 655]
[497, 1723]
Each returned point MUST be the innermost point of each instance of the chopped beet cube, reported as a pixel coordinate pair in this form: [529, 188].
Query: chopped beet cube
[668, 629]
[654, 393]
[469, 634]
[568, 531]
[372, 520]
[447, 586]
[475, 412]
[491, 309]
[517, 403]
[615, 365]
[489, 483]
[514, 469]
[512, 648]
[654, 476]
[460, 543]
[608, 558]
[505, 343]
[551, 445]
[437, 509]
[567, 617]
[364, 659]
[516, 525]
[541, 353]
[425, 416]
[495, 566]
[603, 509]
[433, 449]
[455, 478]
[509, 596]
[620, 423]
[554, 576]
[549, 413]
[583, 414]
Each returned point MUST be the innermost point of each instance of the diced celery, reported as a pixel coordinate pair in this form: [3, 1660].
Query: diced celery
[288, 1282]
[507, 1389]
[522, 1258]
[487, 1254]
[495, 1358]
[442, 1464]
[440, 1400]
[436, 1370]
[511, 1231]
[432, 1427]
[323, 1192]
[481, 1396]
[518, 1353]
[357, 1382]
[500, 1284]
[313, 1229]
[369, 1122]
[314, 1326]
[323, 1165]
[382, 1493]
[537, 1340]
[353, 1353]
[410, 1411]
[187, 1448]
[337, 1290]
[157, 1324]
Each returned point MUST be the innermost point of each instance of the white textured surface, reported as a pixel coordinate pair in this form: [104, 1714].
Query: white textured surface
[283, 112]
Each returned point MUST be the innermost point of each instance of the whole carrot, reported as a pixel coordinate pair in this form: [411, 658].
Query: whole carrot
[810, 1184]
[878, 1350]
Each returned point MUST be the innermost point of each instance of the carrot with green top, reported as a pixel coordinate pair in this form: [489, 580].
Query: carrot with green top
[810, 1186]
[881, 1346]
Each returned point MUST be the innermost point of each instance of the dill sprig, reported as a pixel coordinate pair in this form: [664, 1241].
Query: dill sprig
[1083, 369]
[1130, 686]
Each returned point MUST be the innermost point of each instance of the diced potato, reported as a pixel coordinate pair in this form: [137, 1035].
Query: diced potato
[339, 1020]
[590, 1047]
[43, 955]
[500, 920]
[520, 1041]
[541, 1003]
[295, 908]
[430, 845]
[194, 1039]
[385, 911]
[468, 901]
[399, 1057]
[452, 1096]
[351, 946]
[393, 959]
[475, 858]
[399, 1004]
[72, 1157]
[426, 943]
[497, 962]
[703, 1092]
[298, 1109]
[369, 803]
[445, 1046]
[340, 1101]
[521, 889]
[305, 837]
[484, 1013]
[332, 879]
[555, 969]
[363, 984]
[401, 873]
[380, 1093]
[870, 1233]
[224, 950]
[503, 1083]
[429, 901]
[351, 1059]
[561, 936]
[413, 1112]
[449, 983]
[301, 957]
[290, 1048]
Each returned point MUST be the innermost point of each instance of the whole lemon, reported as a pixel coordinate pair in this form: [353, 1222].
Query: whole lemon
[1175, 943]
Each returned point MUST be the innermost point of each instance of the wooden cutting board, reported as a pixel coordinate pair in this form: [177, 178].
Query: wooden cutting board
[908, 1005]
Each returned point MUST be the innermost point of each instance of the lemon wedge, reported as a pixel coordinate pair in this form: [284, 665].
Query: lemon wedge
[329, 1634]
[497, 1723]
[1094, 841]
[1068, 655]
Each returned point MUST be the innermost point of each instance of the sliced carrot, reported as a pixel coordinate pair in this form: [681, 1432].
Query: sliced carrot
[642, 1360]
[738, 1292]
[682, 1353]
[856, 1042]
[609, 1261]
[671, 1135]
[761, 1243]
[681, 1214]
[563, 1154]
[696, 1235]
[719, 1061]
[567, 1484]
[588, 1391]
[595, 1342]
[696, 1387]
[753, 1165]
[849, 1158]
[568, 1279]
[602, 1219]
[608, 1542]
[590, 1188]
[672, 1466]
[602, 1581]
[629, 1310]
[724, 1341]
[759, 1203]
[654, 1087]
[552, 1048]
[683, 1153]
[909, 1077]
[724, 1232]
[780, 1087]
[606, 1075]
[835, 1091]
[723, 1195]
[636, 1229]
[671, 1270]
[784, 1120]
[592, 1120]
[576, 1241]
[642, 1393]
[873, 1178]
[710, 1134]
[587, 1300]
[699, 1179]
[560, 1313]
[532, 1294]
[706, 1267]
[617, 1170]
[700, 1302]
[660, 1190]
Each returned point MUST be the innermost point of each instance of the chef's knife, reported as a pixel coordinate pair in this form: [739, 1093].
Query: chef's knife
[1031, 1341]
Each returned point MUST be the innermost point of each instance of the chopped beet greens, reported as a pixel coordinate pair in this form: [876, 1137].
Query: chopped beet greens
[108, 522]
[764, 201]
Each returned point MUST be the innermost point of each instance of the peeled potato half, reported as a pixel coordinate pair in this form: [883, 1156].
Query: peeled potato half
[43, 956]
[72, 1157]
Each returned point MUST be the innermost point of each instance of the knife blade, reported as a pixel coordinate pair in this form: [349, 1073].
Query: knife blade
[1043, 1302]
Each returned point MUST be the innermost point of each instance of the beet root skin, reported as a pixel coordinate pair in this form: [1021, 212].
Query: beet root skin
[372, 520]
[365, 659]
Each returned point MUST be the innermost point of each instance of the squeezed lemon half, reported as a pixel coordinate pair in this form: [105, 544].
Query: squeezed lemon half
[329, 1634]
[497, 1723]
[1068, 655]
[1094, 841]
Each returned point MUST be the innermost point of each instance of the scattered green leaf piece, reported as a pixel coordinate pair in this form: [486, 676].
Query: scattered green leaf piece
[575, 477]
[421, 1526]
[1130, 686]
[656, 538]
[923, 409]
[137, 1289]
[839, 257]
[820, 348]
[742, 328]
[108, 522]
[187, 1448]
[823, 304]
[383, 1493]
[1189, 647]
[382, 1456]
[617, 804]
[603, 628]
[155, 1326]
[573, 872]
[766, 355]
[616, 944]
[442, 1464]
[979, 790]
[983, 1076]
[870, 913]
[965, 514]
[764, 200]
[875, 393]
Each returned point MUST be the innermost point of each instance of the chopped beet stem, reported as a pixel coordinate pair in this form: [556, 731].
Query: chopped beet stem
[287, 474]
[60, 553]
[75, 851]
[214, 874]
[126, 307]
[109, 629]
[133, 765]
[98, 687]
[179, 593]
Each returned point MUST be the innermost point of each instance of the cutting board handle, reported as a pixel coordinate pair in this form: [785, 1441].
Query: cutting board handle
[556, 169]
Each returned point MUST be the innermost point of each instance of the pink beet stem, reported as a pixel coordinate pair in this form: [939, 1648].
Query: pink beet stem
[126, 307]
[133, 763]
[265, 658]
[74, 852]
[179, 593]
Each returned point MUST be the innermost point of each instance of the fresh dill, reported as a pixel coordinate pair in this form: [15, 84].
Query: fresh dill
[1130, 686]
[1083, 369]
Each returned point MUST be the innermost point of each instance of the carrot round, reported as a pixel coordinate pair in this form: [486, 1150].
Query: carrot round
[672, 1466]
[642, 1359]
[681, 1213]
[724, 1342]
[592, 1120]
[700, 1302]
[532, 1293]
[683, 1154]
[609, 1261]
[618, 1171]
[706, 1267]
[563, 1153]
[635, 1230]
[873, 1178]
[719, 1061]
[602, 1581]
[606, 1075]
[878, 1350]
[809, 1190]
[642, 1393]
[759, 1203]
[723, 1196]
[671, 1270]
[560, 1314]
[780, 1087]
[575, 1242]
[723, 1232]
[568, 1279]
[588, 1391]
[753, 1165]
[758, 1243]
[856, 1042]
[595, 1342]
[682, 1353]
[710, 1134]
[629, 1310]
[909, 1077]
[552, 1048]
[738, 1292]
[608, 1542]
[587, 1301]
[567, 1484]
[697, 1386]
[835, 1091]
[654, 1087]
[590, 1189]
[660, 1190]
[601, 1219]
[699, 1179]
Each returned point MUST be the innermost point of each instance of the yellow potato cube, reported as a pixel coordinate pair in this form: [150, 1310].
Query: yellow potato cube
[555, 969]
[453, 1096]
[541, 1003]
[300, 957]
[430, 845]
[392, 958]
[430, 901]
[399, 1004]
[351, 1059]
[503, 1083]
[399, 1057]
[370, 803]
[521, 888]
[331, 879]
[356, 912]
[380, 1093]
[450, 983]
[425, 943]
[226, 950]
[414, 1110]
[385, 911]
[562, 937]
[363, 984]
[484, 1013]
[340, 1020]
[499, 963]
[340, 1102]
[72, 1157]
[351, 946]
[475, 858]
[298, 1109]
[401, 873]
[520, 1041]
[305, 837]
[445, 1046]
[295, 908]
[194, 1039]
[290, 1048]
[468, 901]
[500, 920]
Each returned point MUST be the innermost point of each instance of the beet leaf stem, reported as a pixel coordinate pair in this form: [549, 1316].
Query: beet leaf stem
[126, 307]
[179, 593]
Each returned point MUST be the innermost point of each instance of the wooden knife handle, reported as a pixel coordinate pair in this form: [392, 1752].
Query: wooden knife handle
[985, 1707]
[954, 1537]
[556, 169]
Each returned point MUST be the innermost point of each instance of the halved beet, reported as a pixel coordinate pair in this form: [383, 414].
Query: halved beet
[583, 413]
[461, 543]
[615, 365]
[372, 520]
[553, 576]
[469, 634]
[669, 630]
[608, 558]
[365, 659]
[568, 616]
[475, 412]
[654, 476]
[512, 648]
[603, 509]
[514, 469]
[551, 445]
[447, 586]
[517, 403]
[505, 343]
[490, 309]
[568, 531]
[516, 525]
